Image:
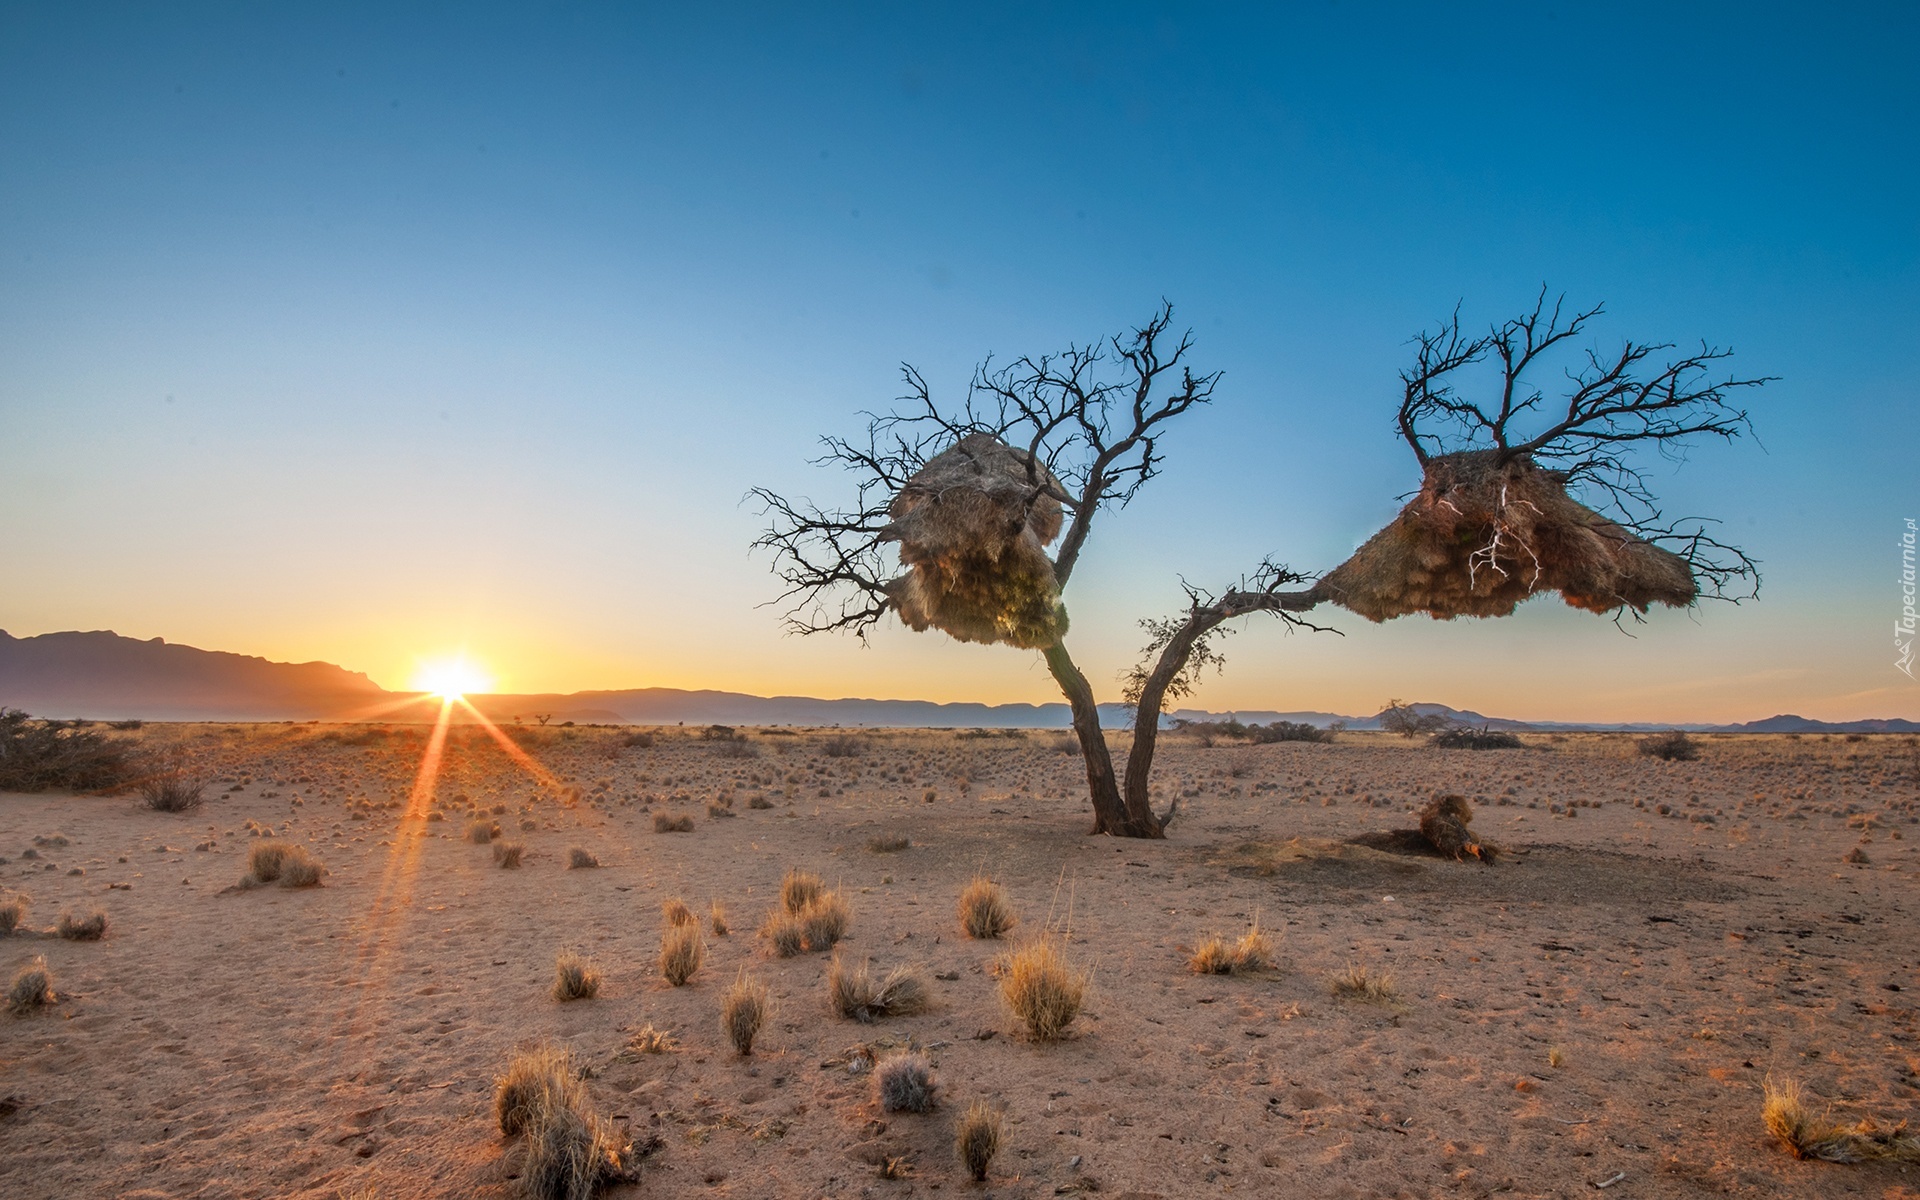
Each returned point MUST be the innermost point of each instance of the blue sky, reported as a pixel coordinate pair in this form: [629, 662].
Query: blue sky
[372, 334]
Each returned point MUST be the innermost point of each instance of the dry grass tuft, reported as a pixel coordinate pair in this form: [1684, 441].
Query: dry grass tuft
[535, 1078]
[32, 989]
[1359, 983]
[506, 855]
[574, 977]
[1556, 1056]
[90, 928]
[676, 912]
[265, 859]
[482, 830]
[569, 1152]
[977, 1138]
[681, 953]
[580, 859]
[13, 911]
[888, 843]
[800, 889]
[985, 911]
[300, 869]
[785, 932]
[744, 1011]
[1216, 956]
[1793, 1124]
[903, 1082]
[824, 922]
[673, 823]
[1041, 989]
[717, 918]
[856, 994]
[650, 1040]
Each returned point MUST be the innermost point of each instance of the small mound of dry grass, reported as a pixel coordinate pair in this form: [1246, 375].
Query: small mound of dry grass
[903, 1082]
[535, 1078]
[673, 823]
[824, 921]
[857, 995]
[649, 1040]
[676, 912]
[758, 801]
[888, 843]
[90, 928]
[579, 859]
[1041, 988]
[681, 952]
[13, 911]
[798, 889]
[717, 918]
[785, 933]
[985, 911]
[507, 855]
[574, 977]
[482, 831]
[1253, 952]
[976, 1137]
[569, 1152]
[1361, 984]
[265, 859]
[744, 1011]
[1794, 1125]
[32, 989]
[300, 869]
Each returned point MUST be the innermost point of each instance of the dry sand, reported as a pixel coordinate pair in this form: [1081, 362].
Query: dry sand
[344, 1040]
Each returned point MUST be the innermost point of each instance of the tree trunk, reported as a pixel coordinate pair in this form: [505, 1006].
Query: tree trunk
[1146, 717]
[1110, 814]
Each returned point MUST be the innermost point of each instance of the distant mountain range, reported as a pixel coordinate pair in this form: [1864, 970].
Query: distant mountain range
[104, 675]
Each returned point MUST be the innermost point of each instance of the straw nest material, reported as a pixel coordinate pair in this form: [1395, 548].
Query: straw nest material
[1483, 535]
[972, 526]
[1446, 824]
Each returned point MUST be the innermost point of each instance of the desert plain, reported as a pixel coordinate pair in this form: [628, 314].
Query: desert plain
[1594, 1013]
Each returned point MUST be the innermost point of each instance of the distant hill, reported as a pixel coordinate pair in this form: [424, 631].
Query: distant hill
[104, 675]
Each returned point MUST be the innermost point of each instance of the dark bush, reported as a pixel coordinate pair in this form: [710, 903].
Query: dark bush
[1287, 731]
[1672, 746]
[1407, 721]
[172, 783]
[37, 755]
[1467, 738]
[843, 747]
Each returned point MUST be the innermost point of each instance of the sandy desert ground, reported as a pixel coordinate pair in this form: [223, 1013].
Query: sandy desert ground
[1600, 1005]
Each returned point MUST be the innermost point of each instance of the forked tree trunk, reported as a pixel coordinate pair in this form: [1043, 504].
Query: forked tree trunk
[1111, 814]
[1146, 716]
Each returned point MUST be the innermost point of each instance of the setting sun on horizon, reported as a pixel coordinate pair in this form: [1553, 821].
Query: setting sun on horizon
[451, 678]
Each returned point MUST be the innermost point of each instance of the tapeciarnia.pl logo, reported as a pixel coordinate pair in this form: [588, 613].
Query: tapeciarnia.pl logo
[1903, 629]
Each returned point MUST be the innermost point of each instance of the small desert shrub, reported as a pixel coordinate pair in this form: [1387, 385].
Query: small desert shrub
[681, 953]
[574, 977]
[720, 810]
[744, 1011]
[300, 869]
[798, 889]
[13, 910]
[1805, 1135]
[36, 756]
[857, 995]
[1359, 983]
[1556, 1056]
[785, 933]
[535, 1079]
[507, 854]
[977, 1139]
[90, 928]
[569, 1151]
[265, 860]
[638, 741]
[676, 912]
[482, 830]
[824, 921]
[125, 726]
[650, 1040]
[1464, 737]
[843, 747]
[985, 911]
[1041, 989]
[32, 989]
[1216, 956]
[673, 823]
[758, 801]
[579, 859]
[888, 843]
[738, 747]
[1287, 731]
[172, 784]
[717, 918]
[903, 1082]
[1671, 746]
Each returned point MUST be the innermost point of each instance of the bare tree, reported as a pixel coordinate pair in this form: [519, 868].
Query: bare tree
[1087, 424]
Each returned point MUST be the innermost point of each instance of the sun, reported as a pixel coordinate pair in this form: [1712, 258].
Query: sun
[450, 678]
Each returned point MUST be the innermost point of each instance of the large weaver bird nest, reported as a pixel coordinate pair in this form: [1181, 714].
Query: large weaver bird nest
[1484, 534]
[972, 526]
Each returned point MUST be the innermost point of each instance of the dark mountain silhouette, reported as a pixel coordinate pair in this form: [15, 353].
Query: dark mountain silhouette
[104, 675]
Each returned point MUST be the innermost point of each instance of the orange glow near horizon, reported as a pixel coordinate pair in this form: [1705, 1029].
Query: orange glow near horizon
[451, 678]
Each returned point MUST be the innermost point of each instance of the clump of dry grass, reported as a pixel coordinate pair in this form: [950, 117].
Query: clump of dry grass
[717, 917]
[649, 1040]
[574, 977]
[1357, 982]
[985, 911]
[824, 921]
[758, 801]
[579, 859]
[265, 859]
[1216, 956]
[888, 843]
[798, 889]
[903, 1082]
[300, 869]
[13, 911]
[507, 855]
[90, 928]
[681, 953]
[569, 1151]
[673, 823]
[1794, 1125]
[676, 912]
[857, 995]
[482, 830]
[744, 1011]
[1041, 988]
[785, 933]
[32, 989]
[976, 1136]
